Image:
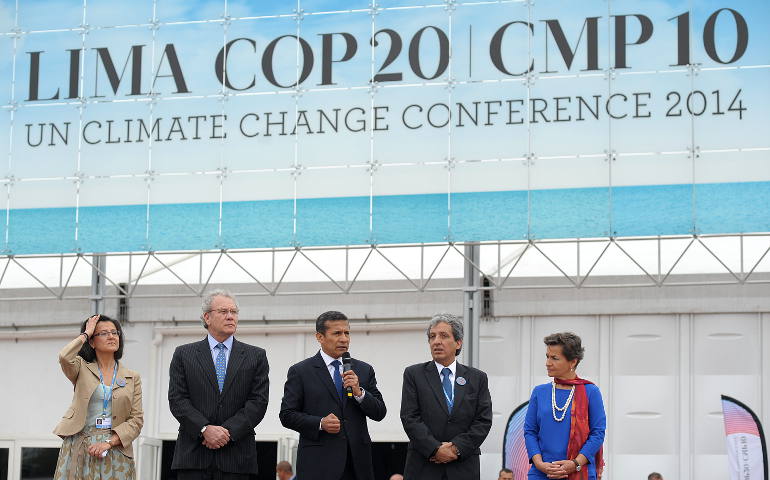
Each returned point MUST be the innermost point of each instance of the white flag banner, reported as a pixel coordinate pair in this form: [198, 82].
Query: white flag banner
[746, 449]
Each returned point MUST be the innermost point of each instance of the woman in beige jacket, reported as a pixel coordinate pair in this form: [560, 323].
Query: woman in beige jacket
[106, 412]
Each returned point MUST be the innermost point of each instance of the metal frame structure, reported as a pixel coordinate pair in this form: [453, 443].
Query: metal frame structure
[573, 263]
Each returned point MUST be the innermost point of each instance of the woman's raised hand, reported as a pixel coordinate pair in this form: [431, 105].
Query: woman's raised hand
[91, 325]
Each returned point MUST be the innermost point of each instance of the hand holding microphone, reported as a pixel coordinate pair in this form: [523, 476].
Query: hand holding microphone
[349, 377]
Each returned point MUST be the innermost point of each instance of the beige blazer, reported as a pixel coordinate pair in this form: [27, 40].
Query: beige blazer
[127, 414]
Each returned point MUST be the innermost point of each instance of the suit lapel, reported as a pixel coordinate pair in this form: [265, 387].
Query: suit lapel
[206, 362]
[459, 390]
[431, 376]
[323, 373]
[93, 368]
[233, 363]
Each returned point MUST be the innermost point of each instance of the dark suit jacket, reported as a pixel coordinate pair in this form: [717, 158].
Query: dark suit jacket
[194, 399]
[427, 421]
[309, 395]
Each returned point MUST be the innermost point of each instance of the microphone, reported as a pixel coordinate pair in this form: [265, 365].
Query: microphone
[345, 367]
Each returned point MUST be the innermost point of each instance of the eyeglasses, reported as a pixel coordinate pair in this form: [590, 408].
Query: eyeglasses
[225, 311]
[106, 333]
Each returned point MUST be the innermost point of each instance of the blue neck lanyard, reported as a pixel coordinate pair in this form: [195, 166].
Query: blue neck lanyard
[107, 395]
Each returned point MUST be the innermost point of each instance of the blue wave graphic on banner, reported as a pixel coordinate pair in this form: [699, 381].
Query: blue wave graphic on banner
[482, 216]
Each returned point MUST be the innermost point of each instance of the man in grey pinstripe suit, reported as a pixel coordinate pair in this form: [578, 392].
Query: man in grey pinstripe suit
[218, 391]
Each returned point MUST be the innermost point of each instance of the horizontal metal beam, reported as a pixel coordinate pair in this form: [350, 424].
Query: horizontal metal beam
[446, 258]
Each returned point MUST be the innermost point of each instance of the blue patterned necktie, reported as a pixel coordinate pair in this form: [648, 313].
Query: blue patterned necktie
[221, 365]
[448, 393]
[337, 377]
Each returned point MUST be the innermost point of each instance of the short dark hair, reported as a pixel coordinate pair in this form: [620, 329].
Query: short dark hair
[505, 470]
[330, 316]
[87, 351]
[654, 476]
[570, 343]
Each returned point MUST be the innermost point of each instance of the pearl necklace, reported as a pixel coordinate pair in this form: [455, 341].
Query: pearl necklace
[555, 408]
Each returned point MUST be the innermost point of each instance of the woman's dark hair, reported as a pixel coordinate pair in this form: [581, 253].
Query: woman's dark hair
[570, 344]
[87, 351]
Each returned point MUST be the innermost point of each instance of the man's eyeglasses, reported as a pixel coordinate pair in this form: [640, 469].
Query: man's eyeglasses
[106, 333]
[225, 311]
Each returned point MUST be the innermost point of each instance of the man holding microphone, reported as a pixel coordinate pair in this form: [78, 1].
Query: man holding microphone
[328, 405]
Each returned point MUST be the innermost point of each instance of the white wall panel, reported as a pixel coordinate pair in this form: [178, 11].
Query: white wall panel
[37, 381]
[644, 345]
[645, 397]
[727, 360]
[638, 466]
[726, 344]
[646, 406]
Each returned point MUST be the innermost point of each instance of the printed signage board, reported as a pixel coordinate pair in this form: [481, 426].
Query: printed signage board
[187, 125]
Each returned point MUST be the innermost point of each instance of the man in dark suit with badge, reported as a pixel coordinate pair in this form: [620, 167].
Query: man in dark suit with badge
[328, 405]
[446, 409]
[218, 391]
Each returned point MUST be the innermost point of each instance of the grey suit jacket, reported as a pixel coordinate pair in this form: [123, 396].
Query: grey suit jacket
[428, 423]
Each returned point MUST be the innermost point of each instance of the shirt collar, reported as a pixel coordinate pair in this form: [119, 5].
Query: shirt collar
[328, 359]
[452, 367]
[227, 343]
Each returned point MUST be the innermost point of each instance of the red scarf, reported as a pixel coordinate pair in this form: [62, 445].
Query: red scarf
[579, 428]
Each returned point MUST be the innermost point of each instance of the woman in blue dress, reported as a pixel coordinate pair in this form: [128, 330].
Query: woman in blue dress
[565, 422]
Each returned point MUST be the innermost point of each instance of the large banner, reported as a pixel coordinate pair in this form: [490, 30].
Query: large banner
[170, 124]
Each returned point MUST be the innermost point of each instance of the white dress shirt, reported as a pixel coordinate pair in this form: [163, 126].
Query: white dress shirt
[228, 343]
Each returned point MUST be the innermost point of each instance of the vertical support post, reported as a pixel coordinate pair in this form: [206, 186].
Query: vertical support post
[97, 283]
[472, 303]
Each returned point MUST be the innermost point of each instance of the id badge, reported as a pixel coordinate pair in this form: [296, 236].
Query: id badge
[104, 422]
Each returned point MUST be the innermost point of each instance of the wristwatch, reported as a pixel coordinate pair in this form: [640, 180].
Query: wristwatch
[578, 466]
[203, 429]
